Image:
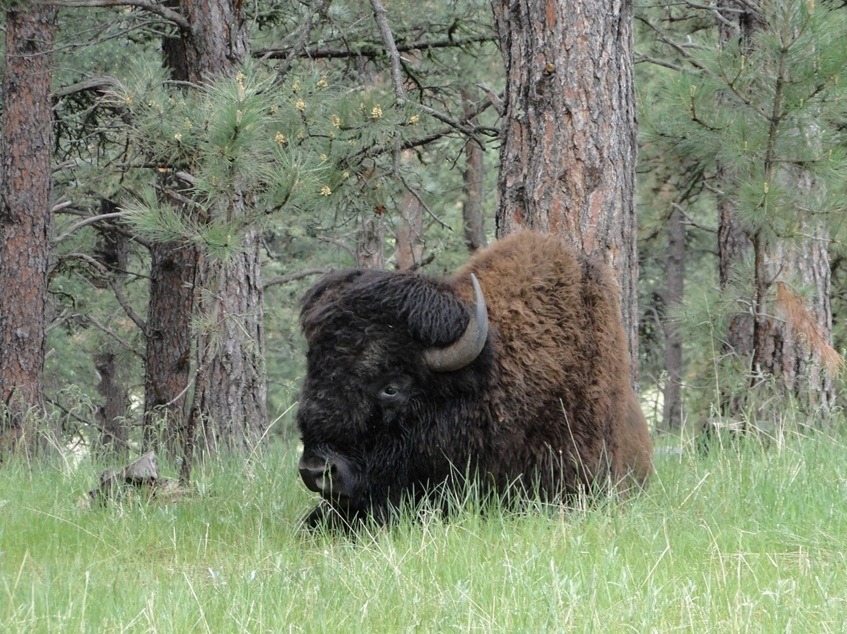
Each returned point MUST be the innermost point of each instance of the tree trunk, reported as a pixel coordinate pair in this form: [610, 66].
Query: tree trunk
[408, 237]
[230, 391]
[792, 337]
[567, 160]
[113, 253]
[370, 244]
[171, 302]
[473, 190]
[111, 415]
[674, 294]
[25, 217]
[167, 359]
[734, 245]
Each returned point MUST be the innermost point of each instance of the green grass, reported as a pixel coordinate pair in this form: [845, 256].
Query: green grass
[752, 539]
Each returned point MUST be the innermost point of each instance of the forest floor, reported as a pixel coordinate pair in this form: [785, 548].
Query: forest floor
[751, 538]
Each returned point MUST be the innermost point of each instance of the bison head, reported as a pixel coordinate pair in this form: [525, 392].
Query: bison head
[394, 363]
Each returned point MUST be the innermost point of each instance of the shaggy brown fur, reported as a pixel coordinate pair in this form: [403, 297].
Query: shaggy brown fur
[547, 403]
[561, 381]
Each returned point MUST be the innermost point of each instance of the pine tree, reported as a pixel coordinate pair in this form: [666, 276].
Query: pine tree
[759, 111]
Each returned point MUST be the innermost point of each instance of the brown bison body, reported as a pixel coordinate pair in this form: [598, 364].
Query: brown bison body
[408, 388]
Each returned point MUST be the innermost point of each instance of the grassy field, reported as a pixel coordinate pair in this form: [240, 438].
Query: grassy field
[748, 540]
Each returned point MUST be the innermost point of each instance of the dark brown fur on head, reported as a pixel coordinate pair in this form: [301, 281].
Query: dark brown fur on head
[547, 403]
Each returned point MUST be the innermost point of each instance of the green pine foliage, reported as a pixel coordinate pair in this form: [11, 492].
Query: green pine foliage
[769, 110]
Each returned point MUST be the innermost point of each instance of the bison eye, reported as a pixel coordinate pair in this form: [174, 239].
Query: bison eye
[393, 391]
[390, 392]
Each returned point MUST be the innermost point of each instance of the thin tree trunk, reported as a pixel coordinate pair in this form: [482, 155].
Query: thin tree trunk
[113, 253]
[473, 190]
[408, 237]
[674, 293]
[370, 244]
[111, 415]
[167, 366]
[167, 362]
[737, 20]
[25, 218]
[567, 160]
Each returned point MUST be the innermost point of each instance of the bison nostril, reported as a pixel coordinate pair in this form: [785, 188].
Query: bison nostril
[322, 477]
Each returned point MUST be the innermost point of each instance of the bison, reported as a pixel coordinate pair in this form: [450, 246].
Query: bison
[515, 370]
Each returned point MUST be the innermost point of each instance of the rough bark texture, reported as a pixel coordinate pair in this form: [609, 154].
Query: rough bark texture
[793, 335]
[370, 244]
[736, 21]
[408, 237]
[231, 391]
[111, 414]
[567, 162]
[113, 253]
[674, 294]
[167, 358]
[473, 191]
[229, 407]
[25, 213]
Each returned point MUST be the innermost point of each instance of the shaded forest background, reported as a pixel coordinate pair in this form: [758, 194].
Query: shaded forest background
[178, 174]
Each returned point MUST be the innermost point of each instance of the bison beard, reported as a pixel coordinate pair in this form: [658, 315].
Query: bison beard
[407, 388]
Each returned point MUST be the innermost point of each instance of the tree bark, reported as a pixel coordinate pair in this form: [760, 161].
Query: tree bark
[167, 362]
[409, 234]
[370, 244]
[737, 20]
[567, 159]
[25, 215]
[111, 415]
[674, 294]
[230, 395]
[113, 253]
[229, 404]
[473, 190]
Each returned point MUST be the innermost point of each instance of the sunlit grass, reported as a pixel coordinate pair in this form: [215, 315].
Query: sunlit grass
[751, 538]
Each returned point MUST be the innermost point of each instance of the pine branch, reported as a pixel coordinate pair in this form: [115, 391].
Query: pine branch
[301, 42]
[86, 222]
[170, 15]
[116, 288]
[380, 15]
[369, 51]
[293, 277]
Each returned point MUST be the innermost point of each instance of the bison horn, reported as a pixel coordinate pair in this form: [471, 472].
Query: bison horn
[467, 347]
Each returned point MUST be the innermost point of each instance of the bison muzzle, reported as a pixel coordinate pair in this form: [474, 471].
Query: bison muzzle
[514, 371]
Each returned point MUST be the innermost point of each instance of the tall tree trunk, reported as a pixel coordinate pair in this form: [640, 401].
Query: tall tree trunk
[567, 160]
[25, 217]
[171, 302]
[229, 406]
[737, 20]
[167, 361]
[113, 253]
[792, 336]
[473, 190]
[674, 293]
